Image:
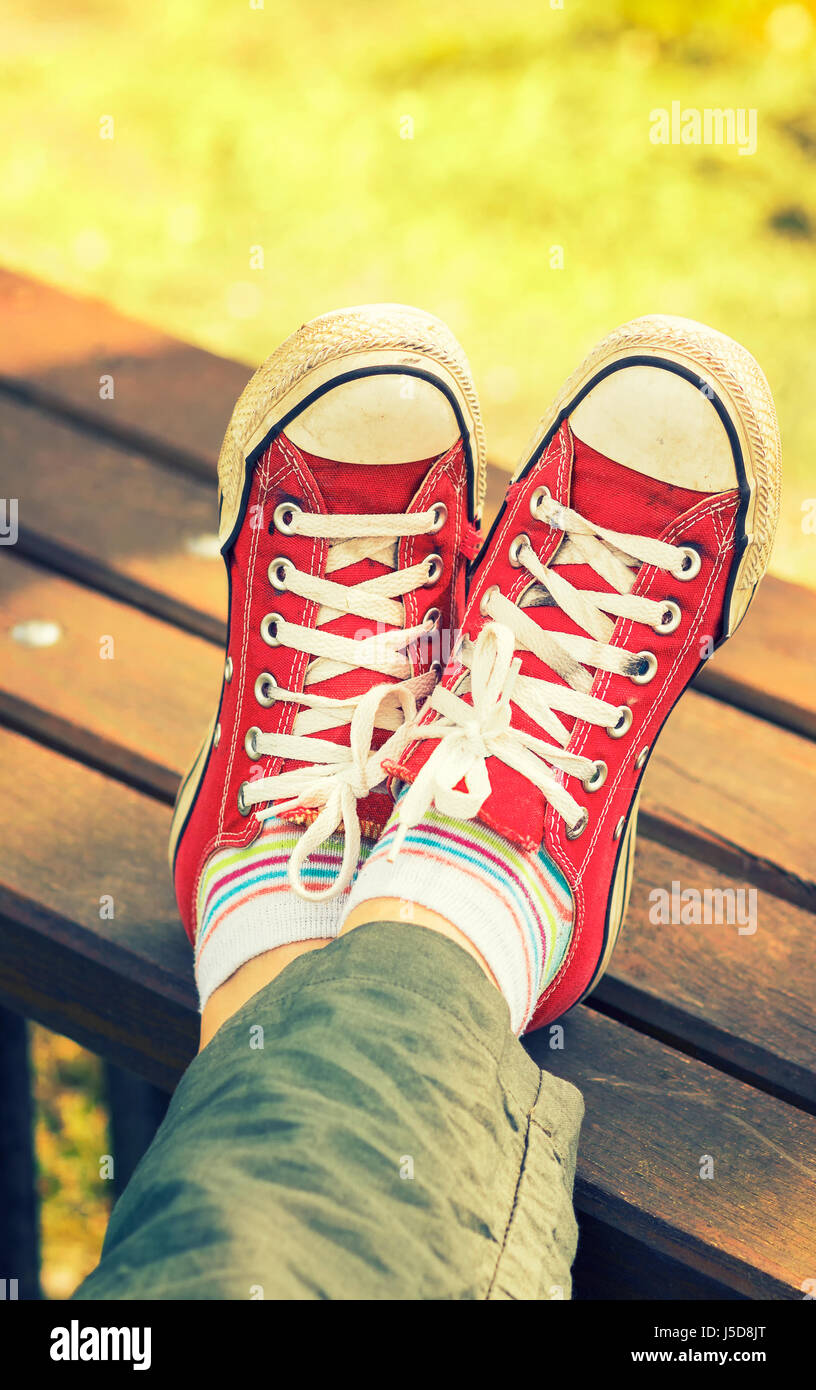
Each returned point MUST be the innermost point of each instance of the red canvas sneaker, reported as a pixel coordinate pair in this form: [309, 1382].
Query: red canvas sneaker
[351, 483]
[630, 543]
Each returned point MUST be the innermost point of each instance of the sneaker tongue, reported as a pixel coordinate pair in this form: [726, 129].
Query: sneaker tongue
[622, 499]
[360, 489]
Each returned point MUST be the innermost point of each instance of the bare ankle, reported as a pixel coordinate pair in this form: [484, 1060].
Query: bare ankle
[247, 980]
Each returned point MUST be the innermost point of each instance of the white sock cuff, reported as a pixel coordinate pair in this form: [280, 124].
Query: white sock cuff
[485, 918]
[270, 919]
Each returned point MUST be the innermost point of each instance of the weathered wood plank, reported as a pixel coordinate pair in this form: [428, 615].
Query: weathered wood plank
[656, 1123]
[123, 986]
[734, 790]
[115, 520]
[170, 399]
[742, 998]
[767, 666]
[119, 689]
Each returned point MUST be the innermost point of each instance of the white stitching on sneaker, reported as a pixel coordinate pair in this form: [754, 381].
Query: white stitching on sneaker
[469, 734]
[345, 774]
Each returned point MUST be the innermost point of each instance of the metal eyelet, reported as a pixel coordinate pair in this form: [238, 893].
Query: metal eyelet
[494, 589]
[618, 831]
[284, 517]
[216, 736]
[575, 831]
[262, 686]
[646, 668]
[669, 620]
[243, 807]
[690, 563]
[541, 494]
[250, 743]
[269, 625]
[596, 778]
[439, 668]
[432, 616]
[642, 756]
[623, 724]
[440, 516]
[516, 546]
[435, 571]
[228, 668]
[278, 570]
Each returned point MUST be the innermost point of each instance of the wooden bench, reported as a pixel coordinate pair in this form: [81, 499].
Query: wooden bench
[696, 1055]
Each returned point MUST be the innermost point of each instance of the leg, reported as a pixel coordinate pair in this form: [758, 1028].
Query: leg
[366, 1126]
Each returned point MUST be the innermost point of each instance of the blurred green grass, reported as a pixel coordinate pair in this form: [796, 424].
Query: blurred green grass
[71, 1137]
[280, 128]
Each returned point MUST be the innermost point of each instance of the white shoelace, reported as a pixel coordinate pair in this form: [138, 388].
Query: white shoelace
[469, 734]
[344, 774]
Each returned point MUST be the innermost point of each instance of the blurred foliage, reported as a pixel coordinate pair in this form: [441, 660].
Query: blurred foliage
[71, 1137]
[280, 127]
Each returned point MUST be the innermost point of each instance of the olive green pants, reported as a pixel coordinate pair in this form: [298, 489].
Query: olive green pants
[366, 1127]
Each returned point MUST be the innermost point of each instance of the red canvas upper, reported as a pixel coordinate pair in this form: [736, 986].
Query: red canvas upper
[626, 501]
[286, 473]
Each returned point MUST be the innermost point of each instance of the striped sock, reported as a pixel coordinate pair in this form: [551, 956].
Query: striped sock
[514, 906]
[246, 906]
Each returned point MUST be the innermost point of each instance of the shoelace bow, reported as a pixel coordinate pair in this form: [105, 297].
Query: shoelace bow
[469, 734]
[345, 774]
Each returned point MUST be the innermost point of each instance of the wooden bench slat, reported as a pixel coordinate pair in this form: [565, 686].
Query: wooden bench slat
[652, 1118]
[744, 1000]
[734, 790]
[115, 519]
[170, 398]
[140, 712]
[118, 715]
[123, 986]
